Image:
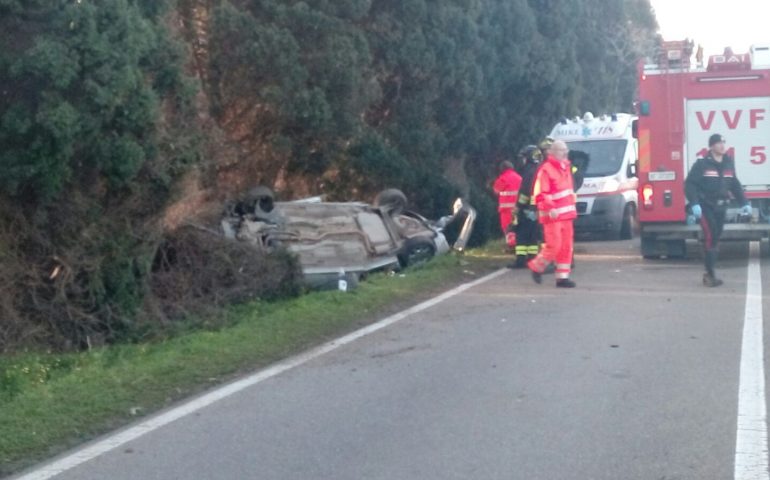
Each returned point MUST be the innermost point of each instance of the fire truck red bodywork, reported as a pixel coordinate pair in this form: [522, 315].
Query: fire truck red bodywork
[679, 109]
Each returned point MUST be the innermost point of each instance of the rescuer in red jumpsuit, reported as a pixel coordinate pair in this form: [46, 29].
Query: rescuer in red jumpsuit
[554, 197]
[507, 189]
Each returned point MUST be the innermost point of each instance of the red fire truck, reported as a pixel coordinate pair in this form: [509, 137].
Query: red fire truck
[680, 106]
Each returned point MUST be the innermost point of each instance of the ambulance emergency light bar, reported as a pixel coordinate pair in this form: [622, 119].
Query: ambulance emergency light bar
[588, 117]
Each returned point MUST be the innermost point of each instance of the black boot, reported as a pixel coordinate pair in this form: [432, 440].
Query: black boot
[537, 277]
[709, 278]
[565, 283]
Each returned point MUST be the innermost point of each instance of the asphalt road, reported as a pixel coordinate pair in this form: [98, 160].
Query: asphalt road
[632, 375]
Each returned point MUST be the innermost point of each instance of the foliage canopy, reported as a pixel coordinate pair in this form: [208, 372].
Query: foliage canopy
[99, 120]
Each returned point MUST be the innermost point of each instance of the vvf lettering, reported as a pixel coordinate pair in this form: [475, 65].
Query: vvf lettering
[732, 119]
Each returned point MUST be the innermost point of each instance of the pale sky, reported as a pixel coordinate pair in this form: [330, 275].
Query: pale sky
[715, 24]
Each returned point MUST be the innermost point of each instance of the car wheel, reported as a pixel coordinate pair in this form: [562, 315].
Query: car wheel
[393, 200]
[416, 251]
[260, 200]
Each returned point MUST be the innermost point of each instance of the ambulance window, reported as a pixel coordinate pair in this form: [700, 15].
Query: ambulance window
[599, 158]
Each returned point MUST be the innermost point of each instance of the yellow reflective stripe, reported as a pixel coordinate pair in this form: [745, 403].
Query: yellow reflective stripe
[533, 249]
[523, 198]
[645, 156]
[536, 188]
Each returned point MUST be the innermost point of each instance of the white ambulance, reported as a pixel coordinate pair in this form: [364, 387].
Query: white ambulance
[605, 151]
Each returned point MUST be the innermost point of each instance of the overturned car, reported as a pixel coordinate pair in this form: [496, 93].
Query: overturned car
[344, 238]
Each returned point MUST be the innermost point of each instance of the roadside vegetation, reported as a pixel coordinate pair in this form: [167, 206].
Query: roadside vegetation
[127, 125]
[52, 401]
[122, 120]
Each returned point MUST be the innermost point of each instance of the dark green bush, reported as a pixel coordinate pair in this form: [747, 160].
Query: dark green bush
[100, 118]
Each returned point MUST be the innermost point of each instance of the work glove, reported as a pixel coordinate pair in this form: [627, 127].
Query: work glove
[696, 211]
[531, 214]
[746, 210]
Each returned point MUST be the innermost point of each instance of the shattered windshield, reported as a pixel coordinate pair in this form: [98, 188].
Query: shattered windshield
[603, 157]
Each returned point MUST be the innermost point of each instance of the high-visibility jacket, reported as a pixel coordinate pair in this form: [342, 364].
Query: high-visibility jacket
[553, 192]
[507, 189]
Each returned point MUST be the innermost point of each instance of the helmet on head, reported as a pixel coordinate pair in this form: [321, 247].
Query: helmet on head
[545, 144]
[529, 155]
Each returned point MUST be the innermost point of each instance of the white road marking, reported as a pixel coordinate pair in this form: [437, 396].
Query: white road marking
[116, 440]
[751, 461]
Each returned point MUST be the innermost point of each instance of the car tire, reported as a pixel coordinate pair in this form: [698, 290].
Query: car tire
[261, 199]
[416, 251]
[392, 200]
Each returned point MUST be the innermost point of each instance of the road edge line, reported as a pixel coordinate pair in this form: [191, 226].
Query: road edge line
[751, 457]
[159, 420]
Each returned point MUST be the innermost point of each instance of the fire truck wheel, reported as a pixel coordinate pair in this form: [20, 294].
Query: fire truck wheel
[650, 248]
[676, 249]
[628, 224]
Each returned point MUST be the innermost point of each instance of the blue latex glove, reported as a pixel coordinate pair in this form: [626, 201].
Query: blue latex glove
[746, 210]
[696, 211]
[531, 214]
[691, 219]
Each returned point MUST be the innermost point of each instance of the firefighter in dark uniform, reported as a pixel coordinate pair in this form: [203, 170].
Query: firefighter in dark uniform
[708, 188]
[528, 231]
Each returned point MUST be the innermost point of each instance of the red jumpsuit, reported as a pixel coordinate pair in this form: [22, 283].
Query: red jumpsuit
[507, 189]
[555, 199]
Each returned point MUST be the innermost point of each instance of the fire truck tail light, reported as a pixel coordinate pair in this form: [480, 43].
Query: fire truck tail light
[647, 196]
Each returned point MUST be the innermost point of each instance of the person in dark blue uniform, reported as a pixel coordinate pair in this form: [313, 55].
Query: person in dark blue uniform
[709, 187]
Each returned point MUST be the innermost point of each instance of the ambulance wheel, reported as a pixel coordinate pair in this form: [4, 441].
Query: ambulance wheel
[628, 224]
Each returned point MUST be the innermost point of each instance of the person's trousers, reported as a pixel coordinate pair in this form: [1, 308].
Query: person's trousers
[509, 229]
[506, 217]
[712, 224]
[559, 238]
[527, 237]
